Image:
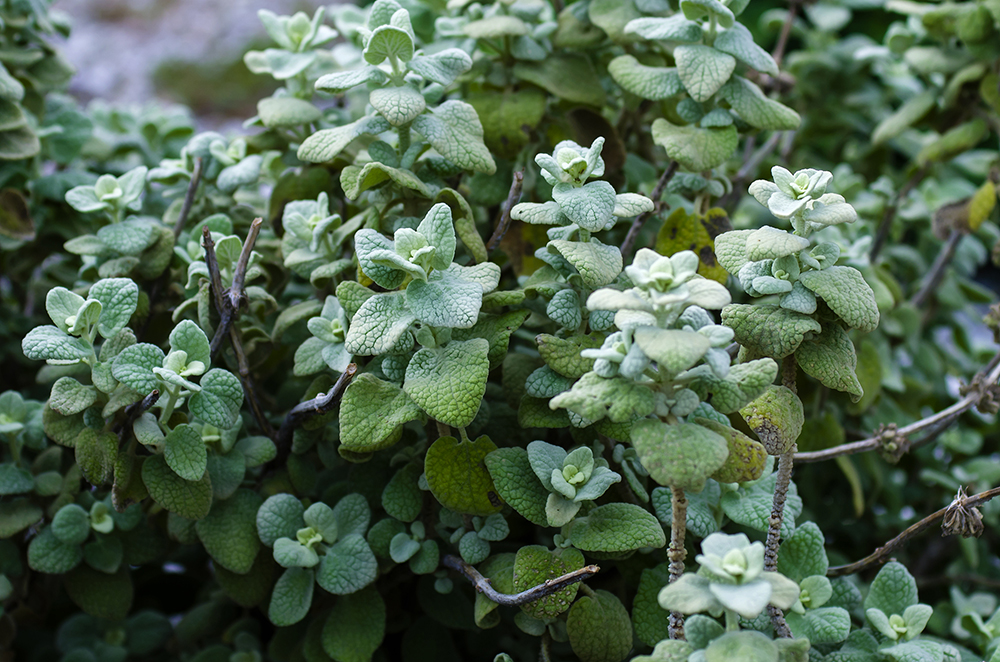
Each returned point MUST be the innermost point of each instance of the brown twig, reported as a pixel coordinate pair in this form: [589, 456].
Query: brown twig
[246, 379]
[188, 198]
[230, 302]
[661, 185]
[881, 554]
[302, 412]
[134, 411]
[882, 233]
[989, 375]
[503, 223]
[548, 587]
[936, 273]
[786, 31]
[676, 553]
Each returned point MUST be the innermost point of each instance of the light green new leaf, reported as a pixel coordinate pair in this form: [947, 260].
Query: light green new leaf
[279, 112]
[229, 532]
[189, 338]
[756, 109]
[134, 367]
[398, 105]
[458, 477]
[703, 70]
[119, 298]
[372, 414]
[674, 351]
[598, 263]
[844, 289]
[517, 484]
[695, 9]
[279, 517]
[768, 329]
[616, 527]
[831, 359]
[185, 452]
[892, 590]
[355, 627]
[60, 304]
[70, 397]
[599, 628]
[738, 42]
[496, 26]
[454, 130]
[445, 299]
[681, 455]
[672, 28]
[695, 148]
[590, 206]
[348, 566]
[292, 596]
[326, 144]
[442, 67]
[388, 42]
[341, 81]
[48, 554]
[219, 400]
[449, 382]
[48, 343]
[776, 417]
[379, 324]
[190, 499]
[357, 179]
[437, 226]
[535, 565]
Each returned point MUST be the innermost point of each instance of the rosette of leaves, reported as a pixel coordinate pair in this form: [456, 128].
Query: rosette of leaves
[226, 164]
[731, 580]
[570, 478]
[818, 615]
[706, 44]
[474, 541]
[312, 245]
[773, 262]
[422, 555]
[297, 62]
[326, 346]
[82, 636]
[124, 245]
[316, 545]
[430, 301]
[897, 618]
[404, 86]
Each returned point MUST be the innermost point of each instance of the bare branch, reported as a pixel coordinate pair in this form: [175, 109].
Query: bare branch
[214, 277]
[302, 412]
[548, 587]
[503, 224]
[134, 411]
[661, 185]
[936, 273]
[936, 422]
[188, 198]
[236, 340]
[882, 233]
[786, 31]
[230, 303]
[881, 555]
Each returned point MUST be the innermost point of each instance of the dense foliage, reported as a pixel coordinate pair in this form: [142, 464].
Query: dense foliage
[488, 295]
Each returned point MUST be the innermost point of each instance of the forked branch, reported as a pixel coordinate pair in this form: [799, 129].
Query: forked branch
[548, 587]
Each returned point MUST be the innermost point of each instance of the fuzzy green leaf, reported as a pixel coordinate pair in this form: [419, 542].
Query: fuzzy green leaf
[185, 452]
[804, 553]
[45, 343]
[703, 70]
[48, 554]
[517, 484]
[190, 499]
[563, 354]
[892, 590]
[595, 397]
[831, 359]
[449, 382]
[445, 299]
[458, 478]
[134, 367]
[599, 628]
[229, 532]
[681, 455]
[693, 147]
[654, 83]
[279, 517]
[95, 454]
[119, 298]
[372, 413]
[454, 130]
[219, 400]
[616, 527]
[355, 627]
[738, 42]
[70, 397]
[398, 105]
[768, 329]
[844, 289]
[598, 263]
[348, 566]
[534, 565]
[379, 324]
[292, 596]
[326, 144]
[750, 505]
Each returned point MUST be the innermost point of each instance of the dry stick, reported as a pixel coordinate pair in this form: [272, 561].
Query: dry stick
[786, 31]
[235, 298]
[942, 418]
[161, 282]
[548, 587]
[302, 412]
[944, 257]
[676, 553]
[236, 339]
[134, 411]
[661, 185]
[789, 368]
[882, 233]
[881, 554]
[503, 223]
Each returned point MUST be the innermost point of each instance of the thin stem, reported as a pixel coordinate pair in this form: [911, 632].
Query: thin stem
[168, 409]
[547, 587]
[881, 554]
[188, 198]
[936, 422]
[302, 412]
[236, 340]
[661, 185]
[882, 233]
[544, 654]
[936, 273]
[732, 621]
[134, 411]
[676, 553]
[786, 31]
[503, 223]
[785, 464]
[230, 303]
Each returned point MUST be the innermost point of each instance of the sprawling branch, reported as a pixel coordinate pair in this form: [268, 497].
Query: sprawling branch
[980, 388]
[882, 233]
[503, 224]
[936, 273]
[661, 185]
[881, 555]
[548, 587]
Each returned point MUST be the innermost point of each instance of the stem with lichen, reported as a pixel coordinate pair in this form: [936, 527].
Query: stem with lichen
[676, 552]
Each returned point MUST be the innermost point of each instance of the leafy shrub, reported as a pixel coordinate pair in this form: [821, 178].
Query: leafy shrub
[386, 377]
